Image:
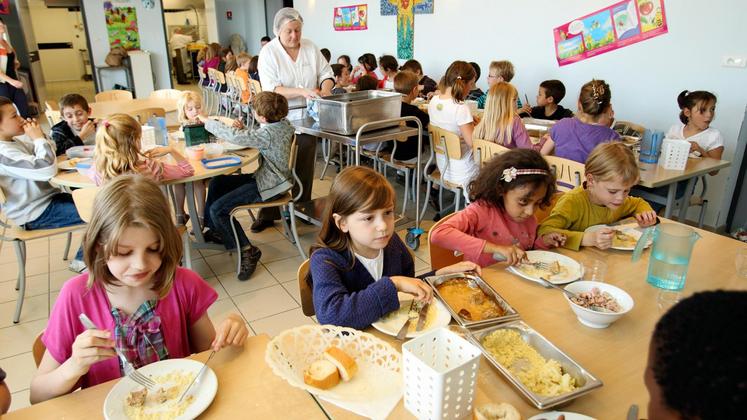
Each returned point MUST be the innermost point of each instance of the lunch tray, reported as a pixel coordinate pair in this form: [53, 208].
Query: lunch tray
[221, 162]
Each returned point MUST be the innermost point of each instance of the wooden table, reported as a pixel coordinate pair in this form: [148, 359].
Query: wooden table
[245, 385]
[103, 109]
[73, 179]
[616, 355]
[653, 176]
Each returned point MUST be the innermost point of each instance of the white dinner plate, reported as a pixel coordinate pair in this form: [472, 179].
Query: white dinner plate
[553, 415]
[228, 147]
[80, 152]
[575, 270]
[203, 390]
[392, 322]
[631, 230]
[70, 164]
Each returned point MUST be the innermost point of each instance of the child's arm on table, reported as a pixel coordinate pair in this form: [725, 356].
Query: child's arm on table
[640, 209]
[256, 138]
[559, 220]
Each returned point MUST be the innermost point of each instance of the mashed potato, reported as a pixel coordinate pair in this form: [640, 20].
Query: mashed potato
[542, 376]
[171, 387]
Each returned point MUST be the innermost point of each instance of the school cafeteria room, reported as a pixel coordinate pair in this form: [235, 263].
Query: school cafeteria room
[395, 209]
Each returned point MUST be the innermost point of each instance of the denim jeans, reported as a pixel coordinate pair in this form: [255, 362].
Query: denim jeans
[660, 191]
[60, 212]
[224, 193]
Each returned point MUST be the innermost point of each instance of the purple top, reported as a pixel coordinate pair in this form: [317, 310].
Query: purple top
[574, 139]
[186, 302]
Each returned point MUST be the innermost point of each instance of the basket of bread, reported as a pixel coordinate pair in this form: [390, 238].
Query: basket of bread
[335, 362]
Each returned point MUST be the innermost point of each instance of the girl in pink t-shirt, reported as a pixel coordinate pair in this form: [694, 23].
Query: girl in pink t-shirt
[135, 294]
[500, 220]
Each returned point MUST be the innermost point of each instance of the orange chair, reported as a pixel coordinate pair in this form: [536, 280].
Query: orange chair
[441, 257]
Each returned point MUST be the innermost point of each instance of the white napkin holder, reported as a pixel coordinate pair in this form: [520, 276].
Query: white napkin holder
[674, 154]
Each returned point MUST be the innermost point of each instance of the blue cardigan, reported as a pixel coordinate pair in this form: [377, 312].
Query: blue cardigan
[352, 298]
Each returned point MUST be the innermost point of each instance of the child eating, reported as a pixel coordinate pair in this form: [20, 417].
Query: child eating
[76, 127]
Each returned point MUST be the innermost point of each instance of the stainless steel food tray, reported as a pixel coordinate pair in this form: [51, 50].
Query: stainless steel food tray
[585, 381]
[475, 281]
[347, 112]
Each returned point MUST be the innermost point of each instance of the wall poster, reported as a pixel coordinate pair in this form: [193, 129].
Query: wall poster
[121, 26]
[351, 18]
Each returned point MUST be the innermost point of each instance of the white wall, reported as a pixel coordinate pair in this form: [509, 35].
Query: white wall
[58, 25]
[645, 78]
[248, 21]
[152, 36]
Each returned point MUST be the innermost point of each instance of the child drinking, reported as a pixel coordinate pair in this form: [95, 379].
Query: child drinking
[500, 219]
[76, 127]
[611, 171]
[449, 112]
[27, 164]
[366, 67]
[342, 79]
[388, 66]
[188, 107]
[142, 303]
[272, 179]
[359, 264]
[574, 138]
[426, 85]
[550, 93]
[500, 123]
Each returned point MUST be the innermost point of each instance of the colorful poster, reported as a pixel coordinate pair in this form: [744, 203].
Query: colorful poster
[405, 10]
[351, 18]
[616, 26]
[121, 26]
[4, 7]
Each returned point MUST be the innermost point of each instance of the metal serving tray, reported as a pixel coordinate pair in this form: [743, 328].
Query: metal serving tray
[346, 113]
[475, 281]
[585, 381]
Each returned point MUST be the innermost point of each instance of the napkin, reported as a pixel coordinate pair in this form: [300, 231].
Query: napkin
[376, 409]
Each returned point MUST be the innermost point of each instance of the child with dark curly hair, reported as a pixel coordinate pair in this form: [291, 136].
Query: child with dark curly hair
[696, 361]
[500, 219]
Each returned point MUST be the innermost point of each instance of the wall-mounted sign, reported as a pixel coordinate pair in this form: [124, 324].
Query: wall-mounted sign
[351, 18]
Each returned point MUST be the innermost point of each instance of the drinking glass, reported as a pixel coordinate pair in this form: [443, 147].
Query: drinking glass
[594, 269]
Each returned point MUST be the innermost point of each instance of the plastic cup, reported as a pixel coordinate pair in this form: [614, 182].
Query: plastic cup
[594, 270]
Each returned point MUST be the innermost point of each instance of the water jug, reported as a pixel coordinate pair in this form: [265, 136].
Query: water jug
[651, 146]
[670, 255]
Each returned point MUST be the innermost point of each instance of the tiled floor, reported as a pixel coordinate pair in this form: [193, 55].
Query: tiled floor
[269, 301]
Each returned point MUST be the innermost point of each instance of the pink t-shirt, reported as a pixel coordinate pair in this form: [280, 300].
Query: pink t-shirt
[156, 170]
[186, 303]
[469, 229]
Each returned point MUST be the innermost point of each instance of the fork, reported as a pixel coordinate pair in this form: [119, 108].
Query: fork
[129, 370]
[543, 265]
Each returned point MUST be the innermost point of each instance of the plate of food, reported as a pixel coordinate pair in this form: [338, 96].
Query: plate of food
[80, 152]
[229, 147]
[560, 415]
[72, 164]
[130, 400]
[554, 267]
[436, 317]
[626, 236]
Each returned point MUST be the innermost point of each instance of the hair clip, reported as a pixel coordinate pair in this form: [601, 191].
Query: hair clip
[106, 123]
[509, 174]
[459, 77]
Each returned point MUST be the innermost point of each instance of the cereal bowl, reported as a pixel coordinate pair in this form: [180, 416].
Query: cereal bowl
[597, 319]
[213, 150]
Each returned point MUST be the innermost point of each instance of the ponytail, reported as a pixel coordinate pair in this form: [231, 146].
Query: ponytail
[458, 77]
[688, 100]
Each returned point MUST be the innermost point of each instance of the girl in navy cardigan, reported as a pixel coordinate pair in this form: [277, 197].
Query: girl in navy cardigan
[359, 263]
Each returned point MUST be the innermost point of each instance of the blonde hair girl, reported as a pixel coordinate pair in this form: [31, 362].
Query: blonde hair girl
[611, 171]
[189, 106]
[134, 285]
[500, 123]
[189, 109]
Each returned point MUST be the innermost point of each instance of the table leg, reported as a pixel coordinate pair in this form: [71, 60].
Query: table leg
[686, 199]
[671, 194]
[193, 216]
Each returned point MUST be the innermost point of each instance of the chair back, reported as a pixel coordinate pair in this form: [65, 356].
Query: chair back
[142, 115]
[441, 257]
[254, 86]
[53, 117]
[307, 297]
[569, 174]
[201, 73]
[166, 94]
[220, 77]
[627, 128]
[52, 105]
[83, 199]
[113, 95]
[445, 142]
[38, 349]
[484, 151]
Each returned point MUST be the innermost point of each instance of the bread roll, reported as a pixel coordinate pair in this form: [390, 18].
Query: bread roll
[502, 411]
[321, 374]
[345, 364]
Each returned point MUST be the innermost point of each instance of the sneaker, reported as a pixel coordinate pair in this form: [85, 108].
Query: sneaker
[249, 259]
[212, 236]
[259, 225]
[77, 266]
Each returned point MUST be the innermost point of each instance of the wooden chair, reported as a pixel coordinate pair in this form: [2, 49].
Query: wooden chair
[287, 201]
[387, 160]
[442, 257]
[254, 86]
[38, 349]
[142, 115]
[19, 236]
[113, 95]
[52, 105]
[569, 174]
[446, 144]
[166, 94]
[307, 296]
[52, 112]
[484, 151]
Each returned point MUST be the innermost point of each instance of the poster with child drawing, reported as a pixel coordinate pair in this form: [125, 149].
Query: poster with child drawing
[619, 25]
[121, 26]
[351, 18]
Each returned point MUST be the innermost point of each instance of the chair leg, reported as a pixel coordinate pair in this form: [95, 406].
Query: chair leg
[703, 207]
[407, 192]
[457, 199]
[292, 212]
[427, 195]
[326, 145]
[65, 255]
[187, 245]
[20, 248]
[236, 239]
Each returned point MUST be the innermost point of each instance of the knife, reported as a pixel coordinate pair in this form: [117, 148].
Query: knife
[422, 315]
[212, 353]
[411, 316]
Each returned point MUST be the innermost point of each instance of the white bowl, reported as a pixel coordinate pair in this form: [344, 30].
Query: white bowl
[213, 150]
[595, 319]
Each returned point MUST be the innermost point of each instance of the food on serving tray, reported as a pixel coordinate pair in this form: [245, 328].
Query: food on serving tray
[164, 402]
[597, 298]
[549, 269]
[322, 374]
[394, 319]
[502, 411]
[345, 364]
[471, 303]
[542, 376]
[623, 240]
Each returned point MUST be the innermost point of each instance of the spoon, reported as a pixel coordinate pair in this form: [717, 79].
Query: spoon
[573, 295]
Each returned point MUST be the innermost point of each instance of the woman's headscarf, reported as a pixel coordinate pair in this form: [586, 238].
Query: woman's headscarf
[283, 16]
